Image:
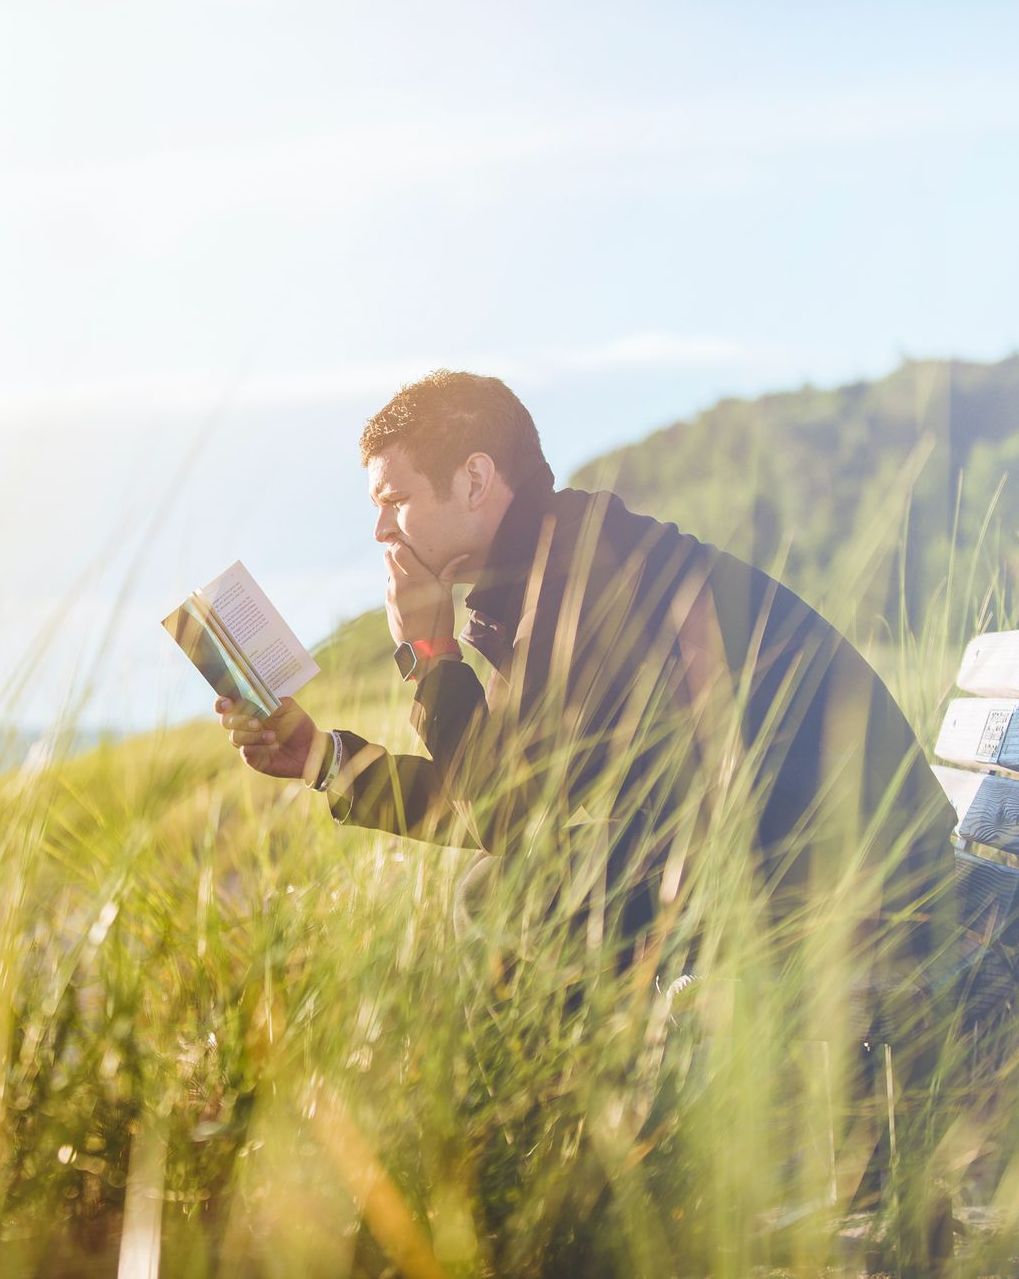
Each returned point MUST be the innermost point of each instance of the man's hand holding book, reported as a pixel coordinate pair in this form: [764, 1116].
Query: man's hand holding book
[287, 744]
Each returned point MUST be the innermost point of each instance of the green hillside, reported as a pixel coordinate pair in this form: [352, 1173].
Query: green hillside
[798, 477]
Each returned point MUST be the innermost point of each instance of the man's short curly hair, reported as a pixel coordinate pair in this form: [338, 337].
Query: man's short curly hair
[443, 419]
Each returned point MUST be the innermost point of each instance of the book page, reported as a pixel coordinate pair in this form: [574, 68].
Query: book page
[259, 631]
[188, 625]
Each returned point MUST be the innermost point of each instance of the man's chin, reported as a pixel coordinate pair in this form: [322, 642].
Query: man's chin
[465, 575]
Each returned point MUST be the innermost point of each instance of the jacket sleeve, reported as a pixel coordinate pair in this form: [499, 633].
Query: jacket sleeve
[467, 795]
[400, 794]
[537, 748]
[487, 767]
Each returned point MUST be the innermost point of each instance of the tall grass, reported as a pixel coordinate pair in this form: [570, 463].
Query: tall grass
[214, 999]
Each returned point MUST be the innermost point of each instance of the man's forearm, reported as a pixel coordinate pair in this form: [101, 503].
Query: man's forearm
[484, 765]
[400, 794]
[449, 714]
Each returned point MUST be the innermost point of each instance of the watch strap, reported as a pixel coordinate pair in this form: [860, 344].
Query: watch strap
[423, 651]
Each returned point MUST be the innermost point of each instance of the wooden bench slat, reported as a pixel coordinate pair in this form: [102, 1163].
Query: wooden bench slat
[981, 885]
[960, 785]
[993, 816]
[980, 731]
[990, 665]
[987, 806]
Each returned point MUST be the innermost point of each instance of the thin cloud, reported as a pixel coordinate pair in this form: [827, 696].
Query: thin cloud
[137, 400]
[161, 396]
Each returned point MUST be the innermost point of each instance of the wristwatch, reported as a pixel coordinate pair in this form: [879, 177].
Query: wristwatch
[411, 653]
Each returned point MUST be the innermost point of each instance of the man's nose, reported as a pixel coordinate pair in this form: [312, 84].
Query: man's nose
[384, 526]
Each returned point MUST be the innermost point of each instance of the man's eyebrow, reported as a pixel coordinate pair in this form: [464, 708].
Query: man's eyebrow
[385, 494]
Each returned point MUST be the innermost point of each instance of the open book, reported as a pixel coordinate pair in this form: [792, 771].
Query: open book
[240, 643]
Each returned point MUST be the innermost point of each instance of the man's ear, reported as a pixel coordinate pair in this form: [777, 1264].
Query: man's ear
[480, 475]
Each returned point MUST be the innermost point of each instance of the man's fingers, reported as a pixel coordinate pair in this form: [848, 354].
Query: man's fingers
[246, 737]
[398, 557]
[242, 721]
[406, 559]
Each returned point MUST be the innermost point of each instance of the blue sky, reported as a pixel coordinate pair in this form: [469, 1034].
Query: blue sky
[235, 227]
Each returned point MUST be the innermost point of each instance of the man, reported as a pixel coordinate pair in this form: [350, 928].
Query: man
[645, 690]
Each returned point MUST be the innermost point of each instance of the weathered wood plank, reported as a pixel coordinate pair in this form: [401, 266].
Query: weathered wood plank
[978, 730]
[987, 895]
[993, 816]
[987, 806]
[990, 665]
[960, 785]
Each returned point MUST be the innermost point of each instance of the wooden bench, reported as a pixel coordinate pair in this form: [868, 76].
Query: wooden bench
[979, 740]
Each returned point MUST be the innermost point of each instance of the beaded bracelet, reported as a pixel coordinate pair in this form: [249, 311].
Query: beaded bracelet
[327, 773]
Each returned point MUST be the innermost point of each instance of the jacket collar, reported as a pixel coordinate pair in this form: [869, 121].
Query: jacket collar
[497, 600]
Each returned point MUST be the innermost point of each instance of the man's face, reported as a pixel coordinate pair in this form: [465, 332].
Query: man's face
[437, 530]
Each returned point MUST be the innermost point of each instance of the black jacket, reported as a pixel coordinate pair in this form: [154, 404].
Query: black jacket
[634, 667]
